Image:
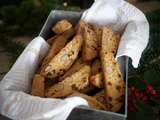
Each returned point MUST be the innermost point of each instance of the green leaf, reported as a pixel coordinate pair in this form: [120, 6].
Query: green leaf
[137, 82]
[151, 76]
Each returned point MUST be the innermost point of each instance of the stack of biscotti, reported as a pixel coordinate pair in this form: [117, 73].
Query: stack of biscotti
[81, 62]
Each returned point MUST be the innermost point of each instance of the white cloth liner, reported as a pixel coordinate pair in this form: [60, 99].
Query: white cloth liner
[16, 104]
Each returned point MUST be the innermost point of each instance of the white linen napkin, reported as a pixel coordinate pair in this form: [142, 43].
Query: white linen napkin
[16, 104]
[125, 19]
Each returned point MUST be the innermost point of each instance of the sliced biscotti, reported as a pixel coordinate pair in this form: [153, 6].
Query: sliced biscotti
[64, 59]
[51, 40]
[93, 103]
[78, 64]
[38, 86]
[114, 84]
[58, 43]
[100, 96]
[61, 26]
[114, 106]
[77, 81]
[80, 27]
[98, 31]
[96, 78]
[110, 40]
[90, 44]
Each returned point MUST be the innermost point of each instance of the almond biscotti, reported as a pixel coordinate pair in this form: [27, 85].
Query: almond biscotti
[98, 31]
[64, 59]
[61, 26]
[38, 86]
[93, 103]
[90, 44]
[78, 64]
[114, 84]
[110, 40]
[116, 104]
[58, 43]
[81, 63]
[77, 81]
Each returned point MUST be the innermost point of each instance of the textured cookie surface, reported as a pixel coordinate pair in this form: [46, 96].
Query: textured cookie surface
[110, 40]
[114, 84]
[93, 103]
[38, 86]
[58, 43]
[90, 44]
[77, 81]
[78, 64]
[64, 59]
[114, 106]
[98, 31]
[61, 26]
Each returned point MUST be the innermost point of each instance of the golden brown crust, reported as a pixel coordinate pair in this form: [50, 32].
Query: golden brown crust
[78, 64]
[110, 40]
[38, 86]
[77, 81]
[90, 44]
[64, 59]
[61, 26]
[98, 31]
[93, 103]
[97, 80]
[58, 43]
[51, 40]
[114, 84]
[81, 26]
[100, 96]
[115, 106]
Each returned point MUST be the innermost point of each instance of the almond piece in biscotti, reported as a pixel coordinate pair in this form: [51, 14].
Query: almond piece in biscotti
[58, 43]
[64, 59]
[38, 86]
[93, 103]
[90, 44]
[61, 26]
[97, 80]
[78, 81]
[78, 64]
[110, 40]
[113, 83]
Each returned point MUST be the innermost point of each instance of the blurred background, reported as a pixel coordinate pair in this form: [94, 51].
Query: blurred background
[22, 20]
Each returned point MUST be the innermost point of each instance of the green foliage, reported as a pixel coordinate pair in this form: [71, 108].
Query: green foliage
[27, 18]
[151, 55]
[13, 48]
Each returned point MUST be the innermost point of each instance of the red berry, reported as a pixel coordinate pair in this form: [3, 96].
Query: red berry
[154, 93]
[145, 99]
[133, 88]
[149, 88]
